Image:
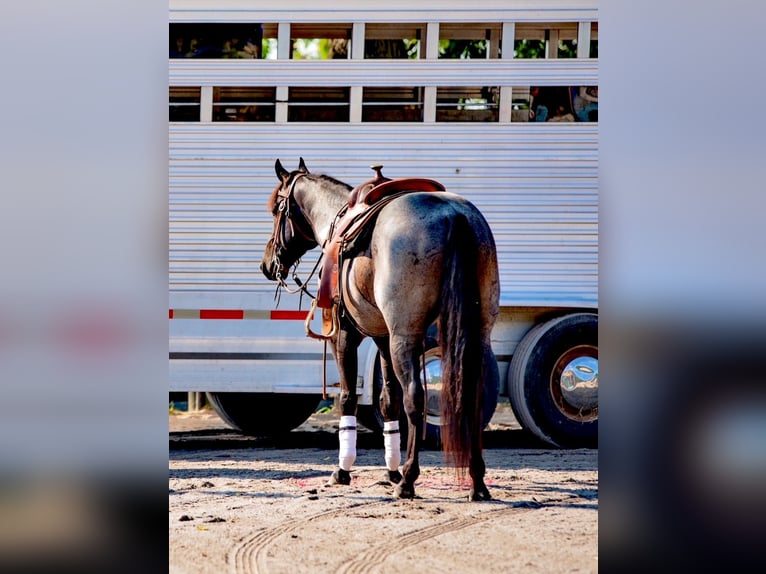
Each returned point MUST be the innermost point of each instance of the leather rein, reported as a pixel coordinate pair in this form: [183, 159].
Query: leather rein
[287, 205]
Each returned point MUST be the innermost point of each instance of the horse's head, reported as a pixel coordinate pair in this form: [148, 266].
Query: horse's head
[292, 235]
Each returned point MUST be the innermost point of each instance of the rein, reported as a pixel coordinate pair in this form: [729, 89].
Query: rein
[301, 284]
[286, 205]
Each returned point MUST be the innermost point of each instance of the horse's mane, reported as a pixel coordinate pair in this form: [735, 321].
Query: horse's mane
[272, 203]
[333, 181]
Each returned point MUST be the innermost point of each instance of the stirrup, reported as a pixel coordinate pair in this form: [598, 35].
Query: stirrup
[335, 323]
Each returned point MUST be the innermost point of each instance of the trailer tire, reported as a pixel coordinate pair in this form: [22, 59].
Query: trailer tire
[553, 381]
[263, 414]
[371, 417]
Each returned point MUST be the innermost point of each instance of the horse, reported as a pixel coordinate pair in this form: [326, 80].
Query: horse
[428, 257]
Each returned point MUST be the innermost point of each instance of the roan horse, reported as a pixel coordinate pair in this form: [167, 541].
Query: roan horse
[430, 256]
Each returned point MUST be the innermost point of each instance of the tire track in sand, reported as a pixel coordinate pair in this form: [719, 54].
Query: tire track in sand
[249, 555]
[374, 557]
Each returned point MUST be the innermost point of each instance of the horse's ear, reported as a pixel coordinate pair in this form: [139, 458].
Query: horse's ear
[282, 173]
[302, 166]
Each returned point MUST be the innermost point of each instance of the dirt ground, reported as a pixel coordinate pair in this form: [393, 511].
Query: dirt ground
[243, 505]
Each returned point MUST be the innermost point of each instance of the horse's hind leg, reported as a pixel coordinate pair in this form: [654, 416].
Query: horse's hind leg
[344, 350]
[476, 466]
[405, 355]
[390, 407]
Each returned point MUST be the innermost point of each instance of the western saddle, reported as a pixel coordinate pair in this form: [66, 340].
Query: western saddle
[365, 202]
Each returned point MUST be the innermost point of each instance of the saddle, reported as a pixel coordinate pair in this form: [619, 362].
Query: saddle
[365, 202]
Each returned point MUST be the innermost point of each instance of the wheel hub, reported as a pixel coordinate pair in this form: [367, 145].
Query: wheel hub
[574, 383]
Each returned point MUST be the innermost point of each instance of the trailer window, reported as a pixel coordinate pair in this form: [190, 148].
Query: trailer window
[320, 41]
[212, 41]
[393, 41]
[469, 41]
[555, 104]
[546, 40]
[466, 104]
[385, 104]
[246, 104]
[184, 104]
[318, 104]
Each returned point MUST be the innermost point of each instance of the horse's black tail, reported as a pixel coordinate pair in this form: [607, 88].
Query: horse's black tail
[460, 343]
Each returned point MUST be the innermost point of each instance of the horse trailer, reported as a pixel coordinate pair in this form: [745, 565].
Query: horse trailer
[438, 90]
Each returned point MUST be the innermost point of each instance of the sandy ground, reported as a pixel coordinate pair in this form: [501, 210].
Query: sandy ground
[239, 504]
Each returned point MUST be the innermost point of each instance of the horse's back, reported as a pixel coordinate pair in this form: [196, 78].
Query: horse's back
[428, 220]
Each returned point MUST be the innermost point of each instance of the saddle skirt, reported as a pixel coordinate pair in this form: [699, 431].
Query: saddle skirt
[365, 202]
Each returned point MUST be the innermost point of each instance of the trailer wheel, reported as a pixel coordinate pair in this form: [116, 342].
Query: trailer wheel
[553, 381]
[371, 417]
[263, 414]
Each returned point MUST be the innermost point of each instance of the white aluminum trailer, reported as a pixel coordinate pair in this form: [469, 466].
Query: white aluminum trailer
[463, 122]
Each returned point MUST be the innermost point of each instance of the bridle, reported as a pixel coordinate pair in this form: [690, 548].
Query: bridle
[289, 213]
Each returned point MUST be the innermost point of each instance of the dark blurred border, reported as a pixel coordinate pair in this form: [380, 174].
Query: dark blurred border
[683, 448]
[683, 407]
[83, 294]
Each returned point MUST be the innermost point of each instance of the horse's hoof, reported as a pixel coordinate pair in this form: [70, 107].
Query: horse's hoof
[394, 476]
[479, 494]
[340, 476]
[403, 490]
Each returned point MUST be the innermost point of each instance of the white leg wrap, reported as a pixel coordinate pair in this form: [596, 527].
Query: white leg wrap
[392, 443]
[347, 436]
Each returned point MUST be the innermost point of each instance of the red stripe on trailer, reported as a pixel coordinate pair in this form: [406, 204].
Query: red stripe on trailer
[221, 314]
[275, 315]
[289, 315]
